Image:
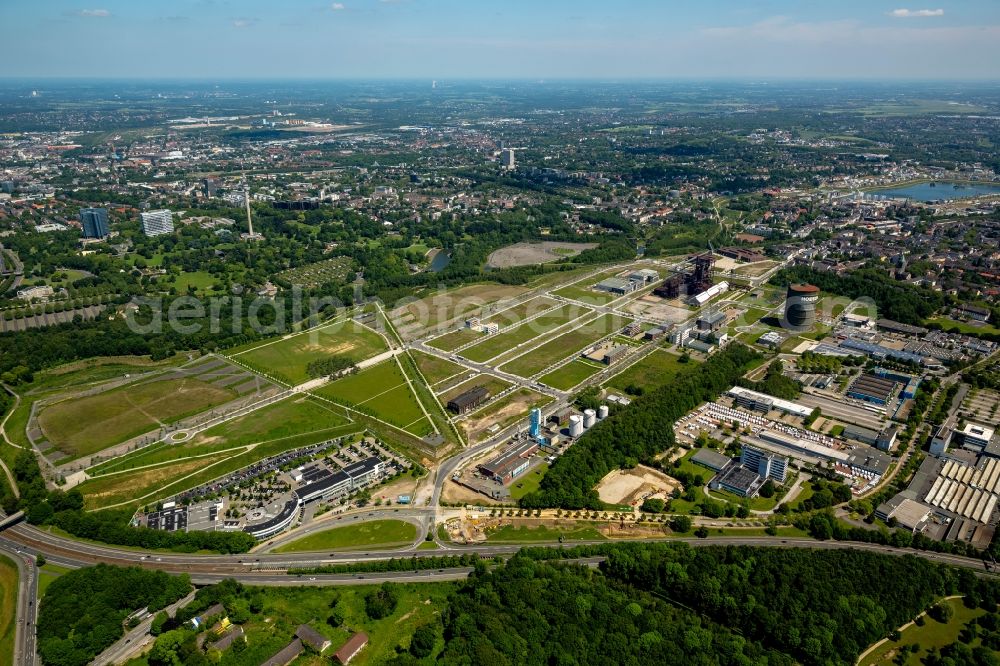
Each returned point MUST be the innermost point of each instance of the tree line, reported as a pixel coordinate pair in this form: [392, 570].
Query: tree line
[636, 433]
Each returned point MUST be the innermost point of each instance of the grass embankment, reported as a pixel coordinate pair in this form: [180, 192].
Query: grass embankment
[371, 535]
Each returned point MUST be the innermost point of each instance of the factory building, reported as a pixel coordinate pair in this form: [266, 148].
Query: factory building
[800, 306]
[872, 388]
[703, 297]
[617, 286]
[762, 402]
[711, 321]
[711, 459]
[512, 462]
[469, 400]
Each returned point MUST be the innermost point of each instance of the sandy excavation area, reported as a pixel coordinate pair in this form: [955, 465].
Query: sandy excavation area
[526, 254]
[630, 486]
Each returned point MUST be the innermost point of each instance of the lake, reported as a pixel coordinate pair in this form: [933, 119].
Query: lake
[939, 190]
[440, 261]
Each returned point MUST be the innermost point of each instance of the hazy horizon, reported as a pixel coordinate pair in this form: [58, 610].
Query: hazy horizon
[780, 40]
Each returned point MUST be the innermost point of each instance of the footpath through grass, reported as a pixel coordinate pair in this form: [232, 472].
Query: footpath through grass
[375, 534]
[932, 635]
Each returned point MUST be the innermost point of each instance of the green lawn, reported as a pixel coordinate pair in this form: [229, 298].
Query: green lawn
[572, 342]
[9, 581]
[964, 326]
[455, 339]
[435, 369]
[655, 369]
[47, 574]
[295, 417]
[285, 608]
[528, 483]
[571, 374]
[201, 281]
[515, 314]
[287, 358]
[371, 535]
[503, 341]
[932, 635]
[524, 534]
[382, 392]
[82, 426]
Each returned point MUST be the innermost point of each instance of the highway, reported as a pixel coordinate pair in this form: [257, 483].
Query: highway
[27, 593]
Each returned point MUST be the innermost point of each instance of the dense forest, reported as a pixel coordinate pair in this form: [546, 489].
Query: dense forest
[895, 300]
[637, 433]
[648, 603]
[84, 611]
[672, 604]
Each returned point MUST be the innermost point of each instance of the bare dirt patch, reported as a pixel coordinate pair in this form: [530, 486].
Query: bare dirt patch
[526, 254]
[631, 486]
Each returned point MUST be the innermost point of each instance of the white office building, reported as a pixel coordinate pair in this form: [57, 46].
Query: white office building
[157, 222]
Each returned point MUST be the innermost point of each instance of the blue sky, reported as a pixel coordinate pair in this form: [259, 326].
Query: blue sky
[441, 39]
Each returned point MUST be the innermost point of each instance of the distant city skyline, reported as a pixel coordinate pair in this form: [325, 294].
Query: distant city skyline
[441, 39]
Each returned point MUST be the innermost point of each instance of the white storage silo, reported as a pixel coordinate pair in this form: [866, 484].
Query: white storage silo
[575, 425]
[602, 412]
[589, 418]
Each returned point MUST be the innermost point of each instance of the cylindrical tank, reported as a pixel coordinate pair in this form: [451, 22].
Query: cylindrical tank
[602, 412]
[800, 306]
[575, 425]
[589, 418]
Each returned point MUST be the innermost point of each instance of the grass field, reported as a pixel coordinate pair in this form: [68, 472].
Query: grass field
[76, 376]
[371, 535]
[509, 533]
[381, 391]
[297, 417]
[141, 485]
[201, 281]
[571, 374]
[536, 328]
[964, 326]
[285, 608]
[654, 370]
[8, 609]
[82, 426]
[584, 292]
[47, 574]
[564, 345]
[287, 358]
[437, 308]
[528, 483]
[435, 369]
[932, 635]
[515, 314]
[455, 339]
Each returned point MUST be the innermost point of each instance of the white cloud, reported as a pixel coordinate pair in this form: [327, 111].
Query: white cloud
[94, 13]
[243, 22]
[915, 13]
[338, 6]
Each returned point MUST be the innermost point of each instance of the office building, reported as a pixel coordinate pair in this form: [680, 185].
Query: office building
[507, 159]
[767, 465]
[157, 222]
[94, 222]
